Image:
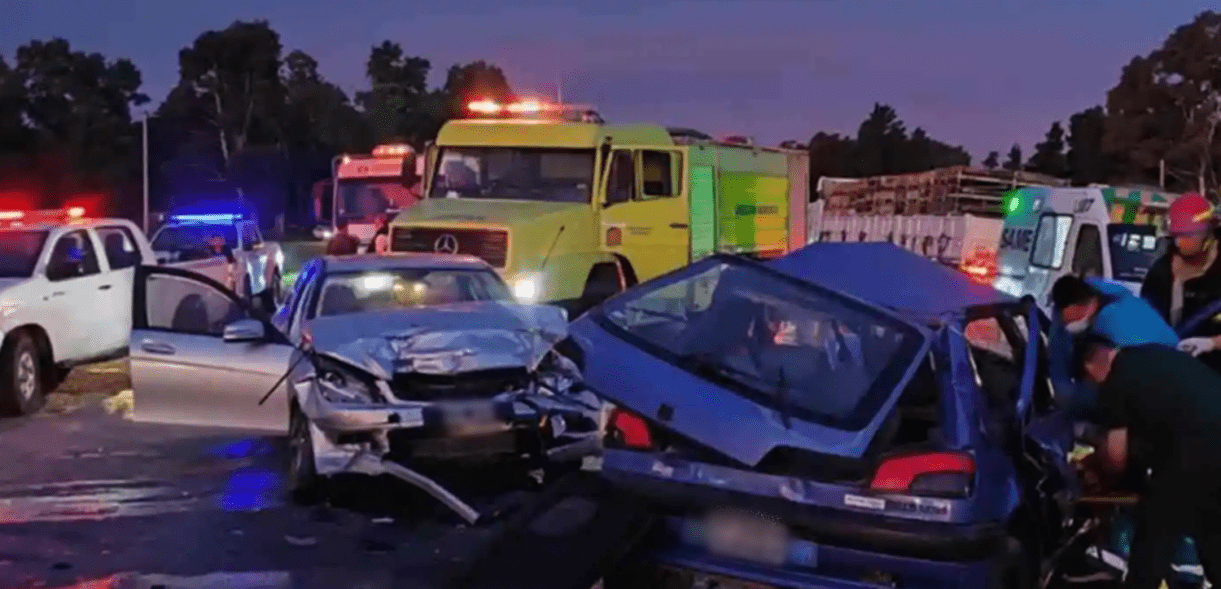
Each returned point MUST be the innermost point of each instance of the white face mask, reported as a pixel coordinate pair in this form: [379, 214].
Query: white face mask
[1078, 327]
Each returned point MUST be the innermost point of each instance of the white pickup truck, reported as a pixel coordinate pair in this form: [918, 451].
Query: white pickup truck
[66, 295]
[251, 266]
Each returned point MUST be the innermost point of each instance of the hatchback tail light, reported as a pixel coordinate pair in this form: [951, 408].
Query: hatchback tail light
[628, 430]
[935, 474]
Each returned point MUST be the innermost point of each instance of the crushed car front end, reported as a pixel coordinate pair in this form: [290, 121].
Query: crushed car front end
[473, 382]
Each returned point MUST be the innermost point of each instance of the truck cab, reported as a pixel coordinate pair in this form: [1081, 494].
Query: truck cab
[65, 298]
[1112, 233]
[365, 187]
[570, 209]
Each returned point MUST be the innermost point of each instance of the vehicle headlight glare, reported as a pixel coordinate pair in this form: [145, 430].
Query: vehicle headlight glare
[526, 290]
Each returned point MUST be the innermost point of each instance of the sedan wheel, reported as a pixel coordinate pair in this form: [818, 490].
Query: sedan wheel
[303, 480]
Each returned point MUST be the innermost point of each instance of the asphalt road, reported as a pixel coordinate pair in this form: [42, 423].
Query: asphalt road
[89, 498]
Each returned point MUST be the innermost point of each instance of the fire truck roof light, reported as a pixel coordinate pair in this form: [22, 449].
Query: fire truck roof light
[76, 212]
[11, 215]
[392, 150]
[486, 107]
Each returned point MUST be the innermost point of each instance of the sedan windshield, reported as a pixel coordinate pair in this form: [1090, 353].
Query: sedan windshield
[363, 292]
[515, 173]
[793, 347]
[19, 251]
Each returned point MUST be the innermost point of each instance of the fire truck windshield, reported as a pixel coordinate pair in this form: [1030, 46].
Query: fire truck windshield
[515, 173]
[360, 200]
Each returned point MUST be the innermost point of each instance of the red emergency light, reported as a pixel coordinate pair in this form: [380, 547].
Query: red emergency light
[46, 216]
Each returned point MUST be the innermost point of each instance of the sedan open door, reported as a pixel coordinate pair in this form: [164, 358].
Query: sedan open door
[201, 356]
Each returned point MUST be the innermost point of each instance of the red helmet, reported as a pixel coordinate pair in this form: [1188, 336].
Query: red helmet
[1190, 213]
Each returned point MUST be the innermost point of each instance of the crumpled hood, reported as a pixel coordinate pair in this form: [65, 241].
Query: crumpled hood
[499, 212]
[447, 339]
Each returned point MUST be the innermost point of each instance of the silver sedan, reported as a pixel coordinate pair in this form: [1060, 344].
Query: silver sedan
[373, 364]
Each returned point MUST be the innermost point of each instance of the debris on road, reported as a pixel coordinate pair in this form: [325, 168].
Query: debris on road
[301, 541]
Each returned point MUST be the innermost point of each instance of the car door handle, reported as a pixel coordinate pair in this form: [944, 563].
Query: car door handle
[678, 225]
[104, 287]
[153, 347]
[58, 294]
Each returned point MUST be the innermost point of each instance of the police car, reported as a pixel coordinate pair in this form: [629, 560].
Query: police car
[251, 266]
[65, 297]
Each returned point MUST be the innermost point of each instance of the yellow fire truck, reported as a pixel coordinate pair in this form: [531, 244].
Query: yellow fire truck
[571, 209]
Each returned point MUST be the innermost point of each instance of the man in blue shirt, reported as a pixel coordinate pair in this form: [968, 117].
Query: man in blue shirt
[1094, 306]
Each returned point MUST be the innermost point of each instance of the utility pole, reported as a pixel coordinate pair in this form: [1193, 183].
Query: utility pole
[144, 125]
[1161, 174]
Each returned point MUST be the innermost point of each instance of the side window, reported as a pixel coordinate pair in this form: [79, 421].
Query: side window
[119, 246]
[72, 257]
[1051, 241]
[289, 307]
[621, 181]
[183, 305]
[660, 176]
[1087, 254]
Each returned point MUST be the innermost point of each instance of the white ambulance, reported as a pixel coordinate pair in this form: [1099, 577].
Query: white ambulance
[1109, 232]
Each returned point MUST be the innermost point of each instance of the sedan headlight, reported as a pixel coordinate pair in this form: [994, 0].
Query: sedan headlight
[341, 386]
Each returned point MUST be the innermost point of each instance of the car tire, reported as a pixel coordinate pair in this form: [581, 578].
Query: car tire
[304, 483]
[21, 376]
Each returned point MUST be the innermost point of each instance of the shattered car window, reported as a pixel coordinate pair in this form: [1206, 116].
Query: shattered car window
[362, 292]
[823, 357]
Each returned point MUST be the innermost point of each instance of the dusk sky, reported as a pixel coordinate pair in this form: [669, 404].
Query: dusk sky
[981, 73]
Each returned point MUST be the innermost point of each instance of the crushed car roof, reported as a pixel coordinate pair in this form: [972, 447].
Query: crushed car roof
[888, 275]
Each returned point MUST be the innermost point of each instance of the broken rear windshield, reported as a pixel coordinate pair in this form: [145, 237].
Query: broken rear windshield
[793, 347]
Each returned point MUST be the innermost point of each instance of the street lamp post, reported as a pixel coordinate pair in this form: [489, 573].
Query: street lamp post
[144, 125]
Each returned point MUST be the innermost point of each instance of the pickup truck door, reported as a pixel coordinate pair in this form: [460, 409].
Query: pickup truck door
[120, 256]
[74, 284]
[183, 368]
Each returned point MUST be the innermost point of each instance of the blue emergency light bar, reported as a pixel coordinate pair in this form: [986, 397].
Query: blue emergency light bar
[208, 217]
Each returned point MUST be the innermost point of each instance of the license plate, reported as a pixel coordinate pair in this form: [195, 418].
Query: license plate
[470, 419]
[746, 536]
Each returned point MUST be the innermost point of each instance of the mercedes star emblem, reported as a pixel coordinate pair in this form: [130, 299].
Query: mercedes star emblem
[446, 244]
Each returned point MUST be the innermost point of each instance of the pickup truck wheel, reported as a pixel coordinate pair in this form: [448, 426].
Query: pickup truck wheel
[304, 484]
[21, 390]
[271, 296]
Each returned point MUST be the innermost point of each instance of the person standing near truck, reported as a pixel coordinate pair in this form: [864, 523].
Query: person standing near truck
[344, 243]
[380, 243]
[1188, 277]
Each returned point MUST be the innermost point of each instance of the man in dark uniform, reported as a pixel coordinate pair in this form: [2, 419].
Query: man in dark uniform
[1188, 278]
[1169, 401]
[344, 243]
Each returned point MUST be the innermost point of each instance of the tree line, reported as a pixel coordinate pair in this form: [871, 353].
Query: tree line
[249, 115]
[246, 116]
[1157, 126]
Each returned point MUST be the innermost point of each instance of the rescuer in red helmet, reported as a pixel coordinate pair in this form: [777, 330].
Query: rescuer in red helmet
[1188, 277]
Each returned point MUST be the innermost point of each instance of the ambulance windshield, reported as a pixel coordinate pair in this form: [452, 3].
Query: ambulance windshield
[1134, 248]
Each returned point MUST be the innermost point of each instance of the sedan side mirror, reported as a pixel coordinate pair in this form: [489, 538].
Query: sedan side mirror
[245, 330]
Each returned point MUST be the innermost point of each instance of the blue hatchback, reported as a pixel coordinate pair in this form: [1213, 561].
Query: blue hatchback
[848, 416]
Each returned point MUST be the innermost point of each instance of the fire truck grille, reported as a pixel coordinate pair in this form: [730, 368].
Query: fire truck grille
[491, 246]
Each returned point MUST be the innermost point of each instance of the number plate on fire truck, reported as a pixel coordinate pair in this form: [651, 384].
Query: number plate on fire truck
[747, 536]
